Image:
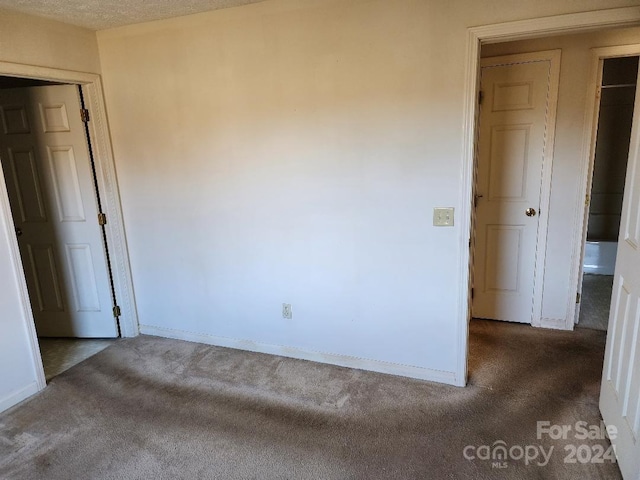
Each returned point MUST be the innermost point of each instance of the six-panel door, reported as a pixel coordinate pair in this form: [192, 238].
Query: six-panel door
[46, 163]
[511, 150]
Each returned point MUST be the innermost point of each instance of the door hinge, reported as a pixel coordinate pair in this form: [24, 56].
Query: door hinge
[116, 311]
[480, 97]
[102, 219]
[587, 199]
[472, 293]
[577, 298]
[84, 115]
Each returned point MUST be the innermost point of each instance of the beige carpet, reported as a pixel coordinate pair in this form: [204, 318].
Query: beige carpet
[596, 301]
[163, 409]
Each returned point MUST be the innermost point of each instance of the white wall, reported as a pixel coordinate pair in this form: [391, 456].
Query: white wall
[568, 156]
[19, 371]
[32, 41]
[292, 151]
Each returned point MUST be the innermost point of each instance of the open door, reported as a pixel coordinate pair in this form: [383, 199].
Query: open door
[620, 391]
[46, 160]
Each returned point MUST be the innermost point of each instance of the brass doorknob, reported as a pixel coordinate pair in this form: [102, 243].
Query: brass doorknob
[530, 212]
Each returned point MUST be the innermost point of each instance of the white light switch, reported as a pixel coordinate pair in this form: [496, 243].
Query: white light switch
[443, 217]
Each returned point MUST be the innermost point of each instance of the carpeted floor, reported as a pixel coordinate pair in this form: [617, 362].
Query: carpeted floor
[155, 408]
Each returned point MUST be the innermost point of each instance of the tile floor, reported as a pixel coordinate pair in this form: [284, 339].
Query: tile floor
[60, 354]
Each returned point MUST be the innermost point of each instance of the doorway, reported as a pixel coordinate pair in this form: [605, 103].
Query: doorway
[558, 298]
[21, 325]
[49, 172]
[619, 399]
[616, 90]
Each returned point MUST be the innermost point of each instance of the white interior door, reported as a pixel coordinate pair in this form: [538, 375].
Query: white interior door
[46, 162]
[620, 390]
[513, 126]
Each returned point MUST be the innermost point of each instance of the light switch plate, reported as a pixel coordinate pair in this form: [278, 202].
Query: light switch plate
[443, 216]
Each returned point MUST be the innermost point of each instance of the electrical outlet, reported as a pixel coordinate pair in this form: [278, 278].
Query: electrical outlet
[443, 217]
[286, 311]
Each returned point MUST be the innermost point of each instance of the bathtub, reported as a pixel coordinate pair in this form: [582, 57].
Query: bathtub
[600, 257]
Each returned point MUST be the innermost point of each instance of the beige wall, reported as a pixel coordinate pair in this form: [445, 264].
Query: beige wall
[32, 41]
[42, 42]
[568, 155]
[292, 152]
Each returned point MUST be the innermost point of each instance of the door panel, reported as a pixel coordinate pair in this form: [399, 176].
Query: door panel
[500, 274]
[27, 184]
[50, 184]
[15, 119]
[511, 149]
[508, 162]
[513, 96]
[83, 278]
[620, 390]
[66, 185]
[46, 278]
[54, 117]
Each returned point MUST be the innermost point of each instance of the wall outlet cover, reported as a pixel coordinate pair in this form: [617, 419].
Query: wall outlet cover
[443, 216]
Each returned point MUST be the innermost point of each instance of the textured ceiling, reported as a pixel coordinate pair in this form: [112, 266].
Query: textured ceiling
[101, 14]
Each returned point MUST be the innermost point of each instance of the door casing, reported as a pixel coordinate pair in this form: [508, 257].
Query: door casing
[108, 187]
[504, 32]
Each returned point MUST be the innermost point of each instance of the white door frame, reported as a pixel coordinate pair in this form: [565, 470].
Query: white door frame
[107, 185]
[504, 32]
[553, 57]
[590, 129]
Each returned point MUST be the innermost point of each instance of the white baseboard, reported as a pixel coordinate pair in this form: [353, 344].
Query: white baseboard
[18, 395]
[292, 352]
[554, 323]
